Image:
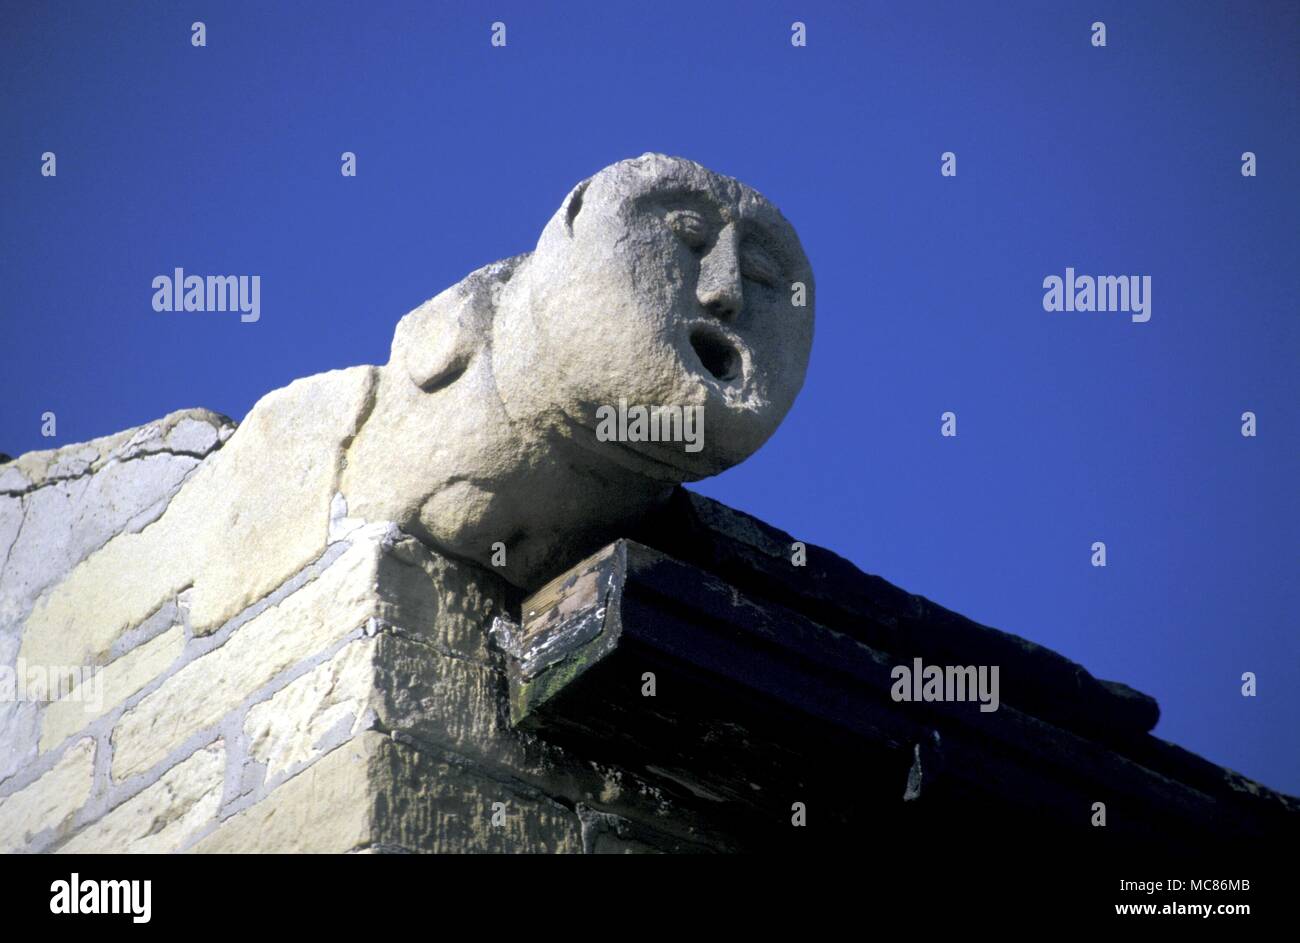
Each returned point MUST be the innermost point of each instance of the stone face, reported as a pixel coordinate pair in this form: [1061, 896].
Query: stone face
[162, 817]
[657, 284]
[49, 802]
[676, 281]
[291, 617]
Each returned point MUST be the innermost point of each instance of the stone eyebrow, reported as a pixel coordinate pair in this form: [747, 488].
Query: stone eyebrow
[679, 198]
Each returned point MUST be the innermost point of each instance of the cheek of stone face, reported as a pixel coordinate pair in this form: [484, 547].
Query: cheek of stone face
[610, 322]
[656, 278]
[659, 269]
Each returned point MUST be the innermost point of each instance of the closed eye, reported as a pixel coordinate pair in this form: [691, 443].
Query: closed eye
[689, 227]
[758, 266]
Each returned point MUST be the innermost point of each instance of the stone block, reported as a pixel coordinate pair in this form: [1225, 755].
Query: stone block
[303, 624]
[71, 501]
[375, 794]
[51, 801]
[160, 818]
[283, 463]
[118, 680]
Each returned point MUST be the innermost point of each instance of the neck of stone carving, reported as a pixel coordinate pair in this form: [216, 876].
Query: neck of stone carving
[455, 470]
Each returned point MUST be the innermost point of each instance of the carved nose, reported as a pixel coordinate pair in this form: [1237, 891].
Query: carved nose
[720, 289]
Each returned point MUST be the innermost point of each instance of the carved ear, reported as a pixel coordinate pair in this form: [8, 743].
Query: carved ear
[437, 341]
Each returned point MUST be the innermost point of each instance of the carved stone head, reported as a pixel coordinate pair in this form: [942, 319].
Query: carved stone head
[658, 283]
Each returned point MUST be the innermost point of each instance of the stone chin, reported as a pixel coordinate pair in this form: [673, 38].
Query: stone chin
[732, 418]
[661, 461]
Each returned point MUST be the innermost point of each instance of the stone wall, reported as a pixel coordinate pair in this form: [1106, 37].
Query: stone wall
[271, 674]
[58, 507]
[354, 706]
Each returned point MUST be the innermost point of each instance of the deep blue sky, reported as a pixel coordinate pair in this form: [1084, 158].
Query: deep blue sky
[1073, 427]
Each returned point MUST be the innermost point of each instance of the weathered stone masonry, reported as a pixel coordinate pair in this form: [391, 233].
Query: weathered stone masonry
[363, 704]
[355, 707]
[299, 637]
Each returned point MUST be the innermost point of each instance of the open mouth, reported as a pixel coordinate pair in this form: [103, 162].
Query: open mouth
[717, 354]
